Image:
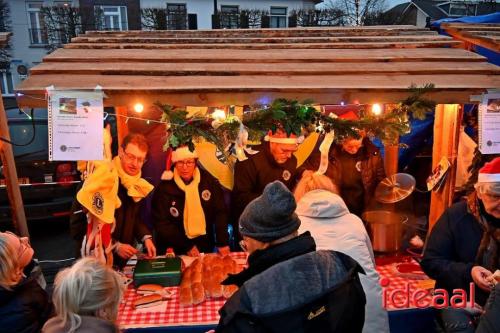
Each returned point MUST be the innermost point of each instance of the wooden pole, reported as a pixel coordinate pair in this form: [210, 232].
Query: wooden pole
[121, 123]
[447, 122]
[11, 180]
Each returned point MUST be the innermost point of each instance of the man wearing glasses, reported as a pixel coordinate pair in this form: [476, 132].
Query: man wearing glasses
[128, 228]
[464, 247]
[189, 213]
[274, 161]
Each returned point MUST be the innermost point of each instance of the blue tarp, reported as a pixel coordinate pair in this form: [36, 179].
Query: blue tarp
[492, 56]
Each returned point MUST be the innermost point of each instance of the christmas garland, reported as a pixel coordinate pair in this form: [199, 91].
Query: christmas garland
[294, 117]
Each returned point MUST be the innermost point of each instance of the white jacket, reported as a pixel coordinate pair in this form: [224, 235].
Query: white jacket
[326, 216]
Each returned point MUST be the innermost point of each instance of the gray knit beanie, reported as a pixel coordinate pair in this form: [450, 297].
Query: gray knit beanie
[270, 216]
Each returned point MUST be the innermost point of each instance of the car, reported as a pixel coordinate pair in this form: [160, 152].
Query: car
[48, 188]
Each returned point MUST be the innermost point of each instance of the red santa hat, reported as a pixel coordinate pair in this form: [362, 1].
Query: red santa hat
[490, 172]
[173, 156]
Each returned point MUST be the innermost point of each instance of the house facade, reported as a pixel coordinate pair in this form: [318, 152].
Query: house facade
[31, 40]
[422, 12]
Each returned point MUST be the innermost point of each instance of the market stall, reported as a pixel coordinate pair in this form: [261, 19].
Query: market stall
[238, 68]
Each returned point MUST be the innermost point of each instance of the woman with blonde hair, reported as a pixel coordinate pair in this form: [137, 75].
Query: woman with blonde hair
[325, 215]
[24, 305]
[86, 298]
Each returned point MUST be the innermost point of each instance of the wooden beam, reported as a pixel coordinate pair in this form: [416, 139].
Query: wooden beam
[447, 122]
[237, 69]
[220, 98]
[249, 83]
[262, 46]
[269, 56]
[11, 179]
[261, 40]
[462, 34]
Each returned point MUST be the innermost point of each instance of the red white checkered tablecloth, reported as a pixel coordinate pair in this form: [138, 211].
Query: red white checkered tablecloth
[205, 313]
[391, 280]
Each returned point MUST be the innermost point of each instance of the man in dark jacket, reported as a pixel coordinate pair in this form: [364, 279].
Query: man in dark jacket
[274, 161]
[356, 167]
[464, 245]
[129, 227]
[189, 213]
[288, 285]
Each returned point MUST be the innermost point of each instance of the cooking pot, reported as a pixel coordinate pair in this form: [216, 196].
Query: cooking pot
[385, 229]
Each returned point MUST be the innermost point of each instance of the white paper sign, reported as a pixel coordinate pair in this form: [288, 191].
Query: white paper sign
[75, 125]
[489, 124]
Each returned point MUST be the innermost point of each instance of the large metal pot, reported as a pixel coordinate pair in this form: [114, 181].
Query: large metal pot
[385, 229]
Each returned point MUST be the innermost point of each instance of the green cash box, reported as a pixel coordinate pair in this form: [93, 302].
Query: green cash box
[163, 271]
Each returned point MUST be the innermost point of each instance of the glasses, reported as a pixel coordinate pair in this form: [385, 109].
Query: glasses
[186, 163]
[24, 243]
[133, 158]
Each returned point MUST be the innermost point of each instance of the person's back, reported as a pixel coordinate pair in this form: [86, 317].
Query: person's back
[325, 215]
[315, 292]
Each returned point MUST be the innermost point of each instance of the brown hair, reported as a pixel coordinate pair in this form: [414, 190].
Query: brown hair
[313, 181]
[137, 139]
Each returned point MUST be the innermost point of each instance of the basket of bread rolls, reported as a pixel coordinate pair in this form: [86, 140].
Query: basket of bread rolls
[202, 279]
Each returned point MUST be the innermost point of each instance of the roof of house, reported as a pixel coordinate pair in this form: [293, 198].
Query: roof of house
[225, 67]
[431, 8]
[438, 9]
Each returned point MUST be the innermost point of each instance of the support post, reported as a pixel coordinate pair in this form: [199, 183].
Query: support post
[447, 122]
[121, 123]
[11, 180]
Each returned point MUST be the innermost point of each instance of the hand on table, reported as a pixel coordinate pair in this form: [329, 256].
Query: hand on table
[224, 250]
[479, 276]
[125, 251]
[150, 247]
[193, 252]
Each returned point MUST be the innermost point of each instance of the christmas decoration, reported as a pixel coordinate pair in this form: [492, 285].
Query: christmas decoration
[292, 117]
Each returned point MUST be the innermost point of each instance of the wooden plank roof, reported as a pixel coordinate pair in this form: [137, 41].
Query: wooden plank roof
[485, 35]
[220, 67]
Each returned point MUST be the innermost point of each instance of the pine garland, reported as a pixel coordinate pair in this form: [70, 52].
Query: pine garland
[293, 117]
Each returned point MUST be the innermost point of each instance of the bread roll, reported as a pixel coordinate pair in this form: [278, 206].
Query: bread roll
[228, 291]
[196, 277]
[198, 293]
[148, 289]
[147, 301]
[186, 278]
[185, 296]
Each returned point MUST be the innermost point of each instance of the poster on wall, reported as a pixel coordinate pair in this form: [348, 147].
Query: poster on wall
[489, 124]
[75, 122]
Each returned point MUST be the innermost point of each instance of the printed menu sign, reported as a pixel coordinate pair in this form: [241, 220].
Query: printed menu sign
[489, 124]
[75, 125]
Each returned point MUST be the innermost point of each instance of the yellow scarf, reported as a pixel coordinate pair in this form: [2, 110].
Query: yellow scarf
[137, 187]
[194, 217]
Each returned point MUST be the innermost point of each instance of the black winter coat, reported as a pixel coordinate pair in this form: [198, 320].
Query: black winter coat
[451, 250]
[290, 287]
[371, 166]
[168, 216]
[25, 308]
[253, 174]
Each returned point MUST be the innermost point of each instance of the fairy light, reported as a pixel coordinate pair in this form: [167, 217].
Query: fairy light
[138, 107]
[376, 109]
[219, 115]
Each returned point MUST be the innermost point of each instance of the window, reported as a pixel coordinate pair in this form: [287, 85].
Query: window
[37, 31]
[278, 17]
[111, 17]
[6, 83]
[462, 9]
[229, 17]
[176, 16]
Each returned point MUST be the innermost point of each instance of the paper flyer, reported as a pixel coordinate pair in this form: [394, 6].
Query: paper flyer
[438, 173]
[489, 124]
[75, 122]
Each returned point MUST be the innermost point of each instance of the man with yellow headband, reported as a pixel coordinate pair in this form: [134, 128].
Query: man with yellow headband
[189, 213]
[128, 228]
